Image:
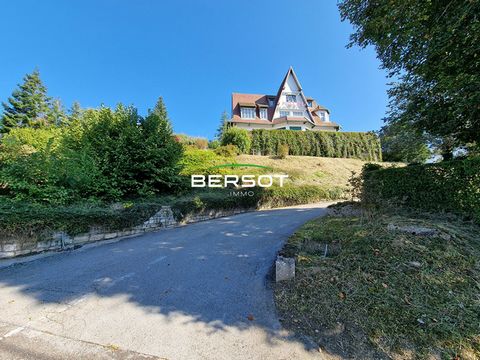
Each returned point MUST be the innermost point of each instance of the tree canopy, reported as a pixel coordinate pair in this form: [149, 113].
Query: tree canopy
[432, 50]
[400, 143]
[222, 127]
[29, 105]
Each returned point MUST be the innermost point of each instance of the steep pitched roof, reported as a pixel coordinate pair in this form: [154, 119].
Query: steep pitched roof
[290, 72]
[261, 101]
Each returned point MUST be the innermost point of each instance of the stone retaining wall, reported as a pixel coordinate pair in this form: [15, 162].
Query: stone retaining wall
[62, 241]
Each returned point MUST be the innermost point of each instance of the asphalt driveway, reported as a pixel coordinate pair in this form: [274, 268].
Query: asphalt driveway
[194, 292]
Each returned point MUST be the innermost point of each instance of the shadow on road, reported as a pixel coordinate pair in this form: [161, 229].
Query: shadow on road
[198, 280]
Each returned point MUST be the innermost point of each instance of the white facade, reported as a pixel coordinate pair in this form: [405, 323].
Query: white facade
[289, 109]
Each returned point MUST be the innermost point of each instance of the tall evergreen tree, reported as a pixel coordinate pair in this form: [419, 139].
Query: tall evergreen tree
[28, 105]
[160, 166]
[57, 114]
[160, 109]
[76, 110]
[223, 125]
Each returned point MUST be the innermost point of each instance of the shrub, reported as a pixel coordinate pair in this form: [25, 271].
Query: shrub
[34, 165]
[107, 154]
[227, 150]
[31, 221]
[365, 146]
[137, 156]
[295, 195]
[201, 143]
[282, 151]
[187, 140]
[213, 144]
[239, 137]
[27, 140]
[196, 161]
[451, 186]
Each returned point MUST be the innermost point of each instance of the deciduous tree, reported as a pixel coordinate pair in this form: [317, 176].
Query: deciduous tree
[432, 49]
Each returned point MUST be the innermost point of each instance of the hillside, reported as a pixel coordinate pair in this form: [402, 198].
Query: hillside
[309, 170]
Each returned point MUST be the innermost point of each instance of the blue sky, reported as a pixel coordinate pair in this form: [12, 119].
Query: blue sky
[193, 53]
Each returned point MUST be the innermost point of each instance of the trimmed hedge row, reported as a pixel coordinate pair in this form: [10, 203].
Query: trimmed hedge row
[22, 220]
[450, 186]
[365, 146]
[296, 195]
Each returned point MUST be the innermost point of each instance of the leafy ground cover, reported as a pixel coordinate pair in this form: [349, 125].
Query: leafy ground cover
[381, 293]
[310, 180]
[35, 221]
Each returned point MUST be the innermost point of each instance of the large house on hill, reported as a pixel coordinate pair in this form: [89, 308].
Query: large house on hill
[289, 109]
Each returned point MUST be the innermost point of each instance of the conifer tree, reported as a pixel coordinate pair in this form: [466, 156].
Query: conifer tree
[75, 112]
[160, 168]
[223, 126]
[28, 105]
[57, 114]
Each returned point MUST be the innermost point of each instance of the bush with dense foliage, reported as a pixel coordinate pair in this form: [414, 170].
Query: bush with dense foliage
[404, 144]
[197, 161]
[105, 154]
[431, 50]
[198, 142]
[296, 195]
[227, 150]
[365, 146]
[213, 144]
[282, 151]
[449, 186]
[239, 137]
[34, 220]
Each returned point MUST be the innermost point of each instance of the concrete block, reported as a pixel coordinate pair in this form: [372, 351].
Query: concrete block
[9, 247]
[42, 245]
[96, 237]
[7, 254]
[284, 269]
[80, 239]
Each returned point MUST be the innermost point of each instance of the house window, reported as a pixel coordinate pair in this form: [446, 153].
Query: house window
[298, 113]
[291, 98]
[247, 113]
[322, 115]
[298, 128]
[271, 102]
[309, 103]
[284, 113]
[263, 113]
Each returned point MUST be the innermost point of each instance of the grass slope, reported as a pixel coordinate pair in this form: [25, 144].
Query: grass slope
[309, 170]
[385, 294]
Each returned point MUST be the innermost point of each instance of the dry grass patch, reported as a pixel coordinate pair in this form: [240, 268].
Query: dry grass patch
[309, 170]
[383, 293]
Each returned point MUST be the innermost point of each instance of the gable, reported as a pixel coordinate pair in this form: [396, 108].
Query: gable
[291, 100]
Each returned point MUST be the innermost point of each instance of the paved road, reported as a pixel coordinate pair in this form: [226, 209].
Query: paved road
[194, 292]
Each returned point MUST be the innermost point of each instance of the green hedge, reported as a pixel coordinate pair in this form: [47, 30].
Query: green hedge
[450, 186]
[295, 195]
[365, 146]
[34, 221]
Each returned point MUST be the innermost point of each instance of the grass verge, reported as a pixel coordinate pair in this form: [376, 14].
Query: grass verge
[385, 294]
